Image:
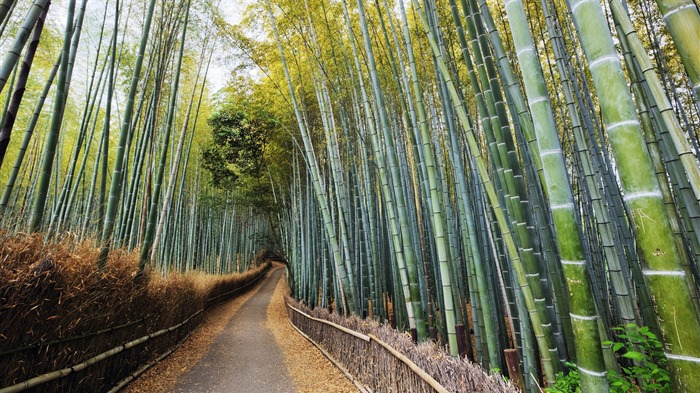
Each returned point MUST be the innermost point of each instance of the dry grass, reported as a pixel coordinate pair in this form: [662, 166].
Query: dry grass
[308, 368]
[52, 292]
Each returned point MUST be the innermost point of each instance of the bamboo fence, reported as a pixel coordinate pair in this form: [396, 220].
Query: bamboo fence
[373, 365]
[40, 382]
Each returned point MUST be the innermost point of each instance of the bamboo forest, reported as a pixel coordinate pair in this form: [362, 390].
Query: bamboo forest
[509, 189]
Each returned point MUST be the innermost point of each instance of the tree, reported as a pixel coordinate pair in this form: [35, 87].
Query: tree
[240, 132]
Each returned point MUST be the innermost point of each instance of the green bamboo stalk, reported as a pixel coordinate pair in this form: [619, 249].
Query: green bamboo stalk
[668, 116]
[56, 122]
[6, 7]
[573, 259]
[662, 269]
[175, 165]
[10, 114]
[321, 199]
[683, 21]
[394, 226]
[118, 172]
[93, 95]
[550, 365]
[389, 176]
[23, 35]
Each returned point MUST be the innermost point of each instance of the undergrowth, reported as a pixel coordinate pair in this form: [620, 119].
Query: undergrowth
[644, 366]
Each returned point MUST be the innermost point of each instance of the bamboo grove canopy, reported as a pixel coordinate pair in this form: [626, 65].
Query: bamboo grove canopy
[493, 175]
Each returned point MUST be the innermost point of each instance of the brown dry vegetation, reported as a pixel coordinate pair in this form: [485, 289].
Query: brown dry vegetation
[53, 292]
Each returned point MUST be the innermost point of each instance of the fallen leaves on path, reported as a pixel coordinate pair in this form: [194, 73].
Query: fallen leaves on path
[164, 376]
[309, 369]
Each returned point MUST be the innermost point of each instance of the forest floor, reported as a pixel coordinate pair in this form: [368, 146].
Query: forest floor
[246, 345]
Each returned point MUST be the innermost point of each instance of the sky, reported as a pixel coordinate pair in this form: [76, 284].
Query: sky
[220, 70]
[234, 10]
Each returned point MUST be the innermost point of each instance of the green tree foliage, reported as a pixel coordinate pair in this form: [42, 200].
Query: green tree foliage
[240, 134]
[245, 155]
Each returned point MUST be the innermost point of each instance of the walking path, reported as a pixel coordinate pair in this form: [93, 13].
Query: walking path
[246, 345]
[245, 357]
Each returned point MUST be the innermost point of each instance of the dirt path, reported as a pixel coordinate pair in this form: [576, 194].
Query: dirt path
[163, 377]
[245, 357]
[217, 356]
[309, 369]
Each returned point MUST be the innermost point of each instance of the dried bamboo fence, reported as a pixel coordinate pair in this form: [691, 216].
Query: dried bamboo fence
[136, 352]
[380, 359]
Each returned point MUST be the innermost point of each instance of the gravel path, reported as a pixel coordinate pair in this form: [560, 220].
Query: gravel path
[245, 357]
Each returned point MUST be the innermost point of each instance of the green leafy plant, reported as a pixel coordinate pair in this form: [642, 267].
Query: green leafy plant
[644, 365]
[649, 366]
[567, 383]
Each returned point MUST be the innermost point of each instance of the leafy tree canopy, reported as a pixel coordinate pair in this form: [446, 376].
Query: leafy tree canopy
[240, 134]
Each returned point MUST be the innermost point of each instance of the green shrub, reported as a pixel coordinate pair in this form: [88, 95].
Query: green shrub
[646, 365]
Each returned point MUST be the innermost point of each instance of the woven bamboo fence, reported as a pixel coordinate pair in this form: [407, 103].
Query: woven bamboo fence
[377, 366]
[98, 360]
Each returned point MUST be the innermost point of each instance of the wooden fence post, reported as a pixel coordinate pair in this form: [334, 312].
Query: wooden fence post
[513, 364]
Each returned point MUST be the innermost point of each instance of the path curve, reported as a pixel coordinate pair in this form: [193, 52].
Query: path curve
[245, 357]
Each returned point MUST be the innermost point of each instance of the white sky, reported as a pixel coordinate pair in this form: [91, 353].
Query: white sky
[222, 64]
[221, 71]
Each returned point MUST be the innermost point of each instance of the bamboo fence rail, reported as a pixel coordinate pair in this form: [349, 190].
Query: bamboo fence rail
[58, 374]
[373, 365]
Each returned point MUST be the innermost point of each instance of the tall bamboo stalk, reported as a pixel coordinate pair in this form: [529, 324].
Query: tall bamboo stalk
[566, 224]
[321, 199]
[119, 169]
[10, 114]
[662, 269]
[56, 123]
